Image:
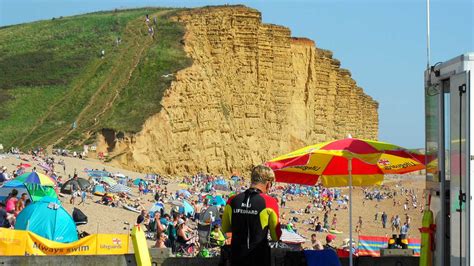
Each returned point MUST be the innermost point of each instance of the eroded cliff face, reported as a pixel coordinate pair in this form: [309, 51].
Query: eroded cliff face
[252, 93]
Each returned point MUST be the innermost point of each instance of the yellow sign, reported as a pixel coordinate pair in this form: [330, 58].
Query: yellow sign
[112, 244]
[12, 242]
[18, 242]
[36, 245]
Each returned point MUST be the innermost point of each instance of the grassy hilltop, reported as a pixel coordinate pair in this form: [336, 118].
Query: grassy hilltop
[52, 75]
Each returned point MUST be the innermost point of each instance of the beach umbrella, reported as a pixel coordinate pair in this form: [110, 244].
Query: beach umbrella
[36, 178]
[217, 201]
[186, 194]
[117, 188]
[347, 162]
[288, 237]
[119, 175]
[178, 203]
[25, 165]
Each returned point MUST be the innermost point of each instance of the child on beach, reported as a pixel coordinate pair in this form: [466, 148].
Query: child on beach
[334, 222]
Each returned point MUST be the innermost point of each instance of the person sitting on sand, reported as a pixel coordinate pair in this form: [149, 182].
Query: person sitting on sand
[161, 240]
[329, 242]
[183, 236]
[217, 238]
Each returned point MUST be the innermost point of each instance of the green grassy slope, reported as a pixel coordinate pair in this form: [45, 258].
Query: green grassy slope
[52, 75]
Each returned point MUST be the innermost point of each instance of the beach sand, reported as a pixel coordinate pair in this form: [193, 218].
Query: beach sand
[105, 219]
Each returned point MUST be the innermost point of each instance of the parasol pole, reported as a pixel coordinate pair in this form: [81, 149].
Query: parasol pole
[349, 168]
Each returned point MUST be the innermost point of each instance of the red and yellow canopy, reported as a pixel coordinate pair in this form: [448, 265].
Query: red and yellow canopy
[329, 161]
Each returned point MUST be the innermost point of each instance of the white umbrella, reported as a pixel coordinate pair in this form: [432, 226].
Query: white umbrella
[120, 188]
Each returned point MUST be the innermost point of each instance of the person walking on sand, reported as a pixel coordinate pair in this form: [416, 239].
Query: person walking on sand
[334, 222]
[384, 219]
[250, 215]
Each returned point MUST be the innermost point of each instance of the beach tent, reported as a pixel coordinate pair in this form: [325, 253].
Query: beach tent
[217, 201]
[157, 207]
[99, 189]
[9, 186]
[47, 218]
[35, 192]
[79, 217]
[221, 184]
[187, 209]
[80, 182]
[205, 216]
[137, 181]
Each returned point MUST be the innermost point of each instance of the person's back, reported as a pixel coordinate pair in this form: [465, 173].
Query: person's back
[249, 216]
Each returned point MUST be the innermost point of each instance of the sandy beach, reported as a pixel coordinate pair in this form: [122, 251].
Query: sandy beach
[104, 219]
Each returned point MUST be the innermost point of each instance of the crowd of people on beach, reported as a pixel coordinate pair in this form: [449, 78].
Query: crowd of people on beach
[172, 228]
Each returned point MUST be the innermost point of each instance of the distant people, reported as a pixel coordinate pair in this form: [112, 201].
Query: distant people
[250, 215]
[334, 222]
[147, 19]
[359, 222]
[404, 231]
[4, 175]
[384, 220]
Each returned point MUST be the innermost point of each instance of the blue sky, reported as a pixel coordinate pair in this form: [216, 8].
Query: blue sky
[382, 42]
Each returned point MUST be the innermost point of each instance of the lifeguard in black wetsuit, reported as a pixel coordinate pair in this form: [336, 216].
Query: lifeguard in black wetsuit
[249, 216]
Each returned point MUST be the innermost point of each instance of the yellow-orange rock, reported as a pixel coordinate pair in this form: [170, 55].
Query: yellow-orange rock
[252, 93]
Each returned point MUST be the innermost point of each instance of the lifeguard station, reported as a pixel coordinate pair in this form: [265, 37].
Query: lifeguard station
[450, 157]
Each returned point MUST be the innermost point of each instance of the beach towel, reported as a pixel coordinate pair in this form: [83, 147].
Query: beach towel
[415, 244]
[371, 245]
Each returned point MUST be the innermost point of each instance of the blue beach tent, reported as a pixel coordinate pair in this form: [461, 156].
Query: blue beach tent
[217, 201]
[47, 218]
[187, 209]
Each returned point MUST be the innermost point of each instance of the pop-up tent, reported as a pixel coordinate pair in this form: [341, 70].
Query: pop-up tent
[217, 201]
[47, 218]
[79, 182]
[35, 192]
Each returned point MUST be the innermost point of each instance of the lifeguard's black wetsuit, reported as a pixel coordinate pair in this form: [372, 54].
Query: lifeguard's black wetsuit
[249, 216]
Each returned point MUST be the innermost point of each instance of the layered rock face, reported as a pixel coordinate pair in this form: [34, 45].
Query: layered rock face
[252, 93]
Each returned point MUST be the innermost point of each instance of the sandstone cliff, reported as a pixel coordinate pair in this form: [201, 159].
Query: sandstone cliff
[253, 92]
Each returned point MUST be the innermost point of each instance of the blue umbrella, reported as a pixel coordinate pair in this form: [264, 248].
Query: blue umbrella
[186, 194]
[218, 201]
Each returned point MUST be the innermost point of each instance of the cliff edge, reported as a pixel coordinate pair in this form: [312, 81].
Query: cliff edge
[252, 92]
